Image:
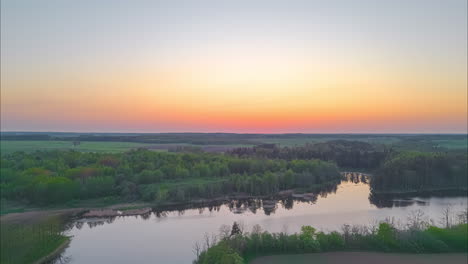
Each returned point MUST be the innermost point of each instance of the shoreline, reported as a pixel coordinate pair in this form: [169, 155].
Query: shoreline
[426, 192]
[363, 257]
[55, 253]
[141, 207]
[133, 207]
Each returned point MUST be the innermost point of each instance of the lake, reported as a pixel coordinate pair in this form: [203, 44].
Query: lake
[169, 236]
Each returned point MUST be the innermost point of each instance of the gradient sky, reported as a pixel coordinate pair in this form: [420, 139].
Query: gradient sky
[234, 66]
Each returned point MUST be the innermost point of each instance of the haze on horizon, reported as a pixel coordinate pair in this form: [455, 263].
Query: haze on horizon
[234, 66]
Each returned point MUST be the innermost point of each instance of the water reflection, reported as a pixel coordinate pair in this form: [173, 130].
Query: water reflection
[168, 234]
[268, 206]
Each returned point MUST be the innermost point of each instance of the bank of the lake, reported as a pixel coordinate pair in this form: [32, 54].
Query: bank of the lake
[176, 231]
[33, 237]
[363, 257]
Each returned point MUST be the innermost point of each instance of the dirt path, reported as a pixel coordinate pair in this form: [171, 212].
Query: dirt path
[363, 257]
[31, 217]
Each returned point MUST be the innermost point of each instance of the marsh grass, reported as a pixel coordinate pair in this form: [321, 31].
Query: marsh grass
[31, 242]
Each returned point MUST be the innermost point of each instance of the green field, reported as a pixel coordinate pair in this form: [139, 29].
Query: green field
[362, 257]
[10, 146]
[452, 143]
[299, 141]
[33, 241]
[217, 143]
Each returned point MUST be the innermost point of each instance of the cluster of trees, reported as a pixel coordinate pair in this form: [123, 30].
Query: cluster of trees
[416, 171]
[346, 154]
[60, 176]
[236, 247]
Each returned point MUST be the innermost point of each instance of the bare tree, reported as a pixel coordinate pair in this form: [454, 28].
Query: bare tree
[417, 220]
[197, 249]
[346, 229]
[206, 239]
[224, 231]
[447, 216]
[463, 217]
[257, 229]
[214, 239]
[374, 226]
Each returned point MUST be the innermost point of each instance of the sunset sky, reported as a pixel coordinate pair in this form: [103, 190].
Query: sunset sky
[234, 66]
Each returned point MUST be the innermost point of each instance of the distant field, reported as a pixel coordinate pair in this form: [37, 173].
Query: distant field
[10, 146]
[452, 143]
[299, 141]
[222, 143]
[363, 257]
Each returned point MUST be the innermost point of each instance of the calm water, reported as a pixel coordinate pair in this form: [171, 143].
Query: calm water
[168, 237]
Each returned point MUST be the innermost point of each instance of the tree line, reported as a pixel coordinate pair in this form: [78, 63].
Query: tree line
[238, 246]
[419, 171]
[61, 176]
[346, 154]
[46, 177]
[392, 170]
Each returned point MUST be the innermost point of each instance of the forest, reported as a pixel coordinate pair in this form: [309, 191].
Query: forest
[346, 154]
[419, 171]
[60, 176]
[188, 173]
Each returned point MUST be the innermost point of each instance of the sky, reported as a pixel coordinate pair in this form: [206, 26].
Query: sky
[244, 66]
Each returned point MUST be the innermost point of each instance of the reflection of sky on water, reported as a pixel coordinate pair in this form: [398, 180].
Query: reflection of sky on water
[169, 238]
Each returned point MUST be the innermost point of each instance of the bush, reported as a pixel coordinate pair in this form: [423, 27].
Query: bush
[220, 254]
[455, 237]
[332, 241]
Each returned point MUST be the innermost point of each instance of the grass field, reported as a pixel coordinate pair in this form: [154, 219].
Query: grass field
[299, 141]
[31, 241]
[10, 146]
[363, 257]
[452, 143]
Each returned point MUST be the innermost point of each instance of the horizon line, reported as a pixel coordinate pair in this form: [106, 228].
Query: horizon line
[238, 133]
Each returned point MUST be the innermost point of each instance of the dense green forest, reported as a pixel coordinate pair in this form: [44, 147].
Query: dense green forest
[238, 247]
[346, 154]
[188, 173]
[415, 171]
[61, 176]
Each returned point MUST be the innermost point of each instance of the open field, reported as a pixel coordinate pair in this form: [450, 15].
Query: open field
[300, 140]
[363, 257]
[452, 143]
[216, 142]
[10, 146]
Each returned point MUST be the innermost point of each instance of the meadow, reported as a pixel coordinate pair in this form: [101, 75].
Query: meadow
[11, 146]
[32, 241]
[214, 142]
